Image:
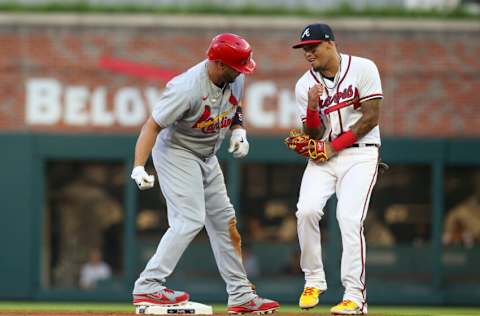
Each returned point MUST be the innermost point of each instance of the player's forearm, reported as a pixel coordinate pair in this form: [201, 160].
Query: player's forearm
[145, 142]
[313, 126]
[363, 126]
[369, 119]
[315, 133]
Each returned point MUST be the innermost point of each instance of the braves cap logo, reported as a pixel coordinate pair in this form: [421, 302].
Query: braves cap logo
[306, 33]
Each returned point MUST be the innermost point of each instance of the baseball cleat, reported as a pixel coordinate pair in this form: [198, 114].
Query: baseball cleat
[162, 297]
[309, 297]
[258, 305]
[347, 307]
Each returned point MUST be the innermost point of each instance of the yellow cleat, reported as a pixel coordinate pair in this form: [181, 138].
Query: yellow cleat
[309, 297]
[347, 307]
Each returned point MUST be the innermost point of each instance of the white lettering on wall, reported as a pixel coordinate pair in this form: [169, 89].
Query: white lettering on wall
[129, 107]
[283, 115]
[287, 109]
[100, 116]
[153, 96]
[76, 98]
[43, 105]
[48, 102]
[256, 114]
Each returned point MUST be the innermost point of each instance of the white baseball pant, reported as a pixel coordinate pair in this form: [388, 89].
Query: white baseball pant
[351, 175]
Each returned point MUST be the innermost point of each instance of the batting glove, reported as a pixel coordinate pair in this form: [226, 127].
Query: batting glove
[142, 178]
[238, 143]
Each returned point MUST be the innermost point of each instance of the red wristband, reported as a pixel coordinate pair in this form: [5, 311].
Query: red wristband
[343, 141]
[313, 119]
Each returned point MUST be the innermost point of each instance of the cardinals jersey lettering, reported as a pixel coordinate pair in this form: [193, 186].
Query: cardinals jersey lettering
[194, 113]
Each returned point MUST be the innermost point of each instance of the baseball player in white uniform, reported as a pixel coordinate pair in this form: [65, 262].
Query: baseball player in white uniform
[338, 101]
[187, 127]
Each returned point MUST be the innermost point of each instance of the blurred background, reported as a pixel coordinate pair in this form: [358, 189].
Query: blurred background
[78, 79]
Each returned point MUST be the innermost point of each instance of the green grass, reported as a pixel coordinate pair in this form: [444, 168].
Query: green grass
[121, 307]
[343, 10]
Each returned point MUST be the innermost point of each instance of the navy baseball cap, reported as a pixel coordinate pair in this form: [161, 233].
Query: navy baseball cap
[314, 34]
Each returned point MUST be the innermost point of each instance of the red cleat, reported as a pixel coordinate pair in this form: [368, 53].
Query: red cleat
[256, 306]
[162, 297]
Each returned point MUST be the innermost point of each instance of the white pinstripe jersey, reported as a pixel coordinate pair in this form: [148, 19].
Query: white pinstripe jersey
[358, 80]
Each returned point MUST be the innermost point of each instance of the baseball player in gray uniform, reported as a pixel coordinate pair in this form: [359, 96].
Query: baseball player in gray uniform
[187, 127]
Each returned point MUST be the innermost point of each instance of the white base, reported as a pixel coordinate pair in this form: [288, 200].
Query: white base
[189, 308]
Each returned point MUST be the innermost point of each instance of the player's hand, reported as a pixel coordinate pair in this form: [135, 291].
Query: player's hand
[142, 178]
[238, 143]
[320, 151]
[314, 94]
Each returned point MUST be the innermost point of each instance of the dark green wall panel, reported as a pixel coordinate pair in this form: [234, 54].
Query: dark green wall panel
[21, 199]
[16, 216]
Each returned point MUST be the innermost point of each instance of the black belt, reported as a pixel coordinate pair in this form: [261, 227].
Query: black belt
[364, 145]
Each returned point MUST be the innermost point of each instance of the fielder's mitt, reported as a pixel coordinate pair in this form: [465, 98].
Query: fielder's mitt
[298, 142]
[305, 146]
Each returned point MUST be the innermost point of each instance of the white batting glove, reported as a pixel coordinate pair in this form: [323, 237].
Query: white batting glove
[238, 143]
[142, 178]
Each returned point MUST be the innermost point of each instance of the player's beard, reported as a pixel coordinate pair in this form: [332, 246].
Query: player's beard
[319, 68]
[230, 77]
[317, 65]
[325, 67]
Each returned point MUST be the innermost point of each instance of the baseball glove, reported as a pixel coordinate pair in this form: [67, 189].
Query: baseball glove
[305, 146]
[298, 142]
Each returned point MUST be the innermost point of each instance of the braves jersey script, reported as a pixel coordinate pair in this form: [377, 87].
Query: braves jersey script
[194, 113]
[357, 81]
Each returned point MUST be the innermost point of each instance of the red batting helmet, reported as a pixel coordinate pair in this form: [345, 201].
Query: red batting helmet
[233, 51]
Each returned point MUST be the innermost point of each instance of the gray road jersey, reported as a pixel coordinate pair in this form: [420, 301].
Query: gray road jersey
[194, 113]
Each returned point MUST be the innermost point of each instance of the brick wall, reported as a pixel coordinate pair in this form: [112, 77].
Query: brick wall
[65, 77]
